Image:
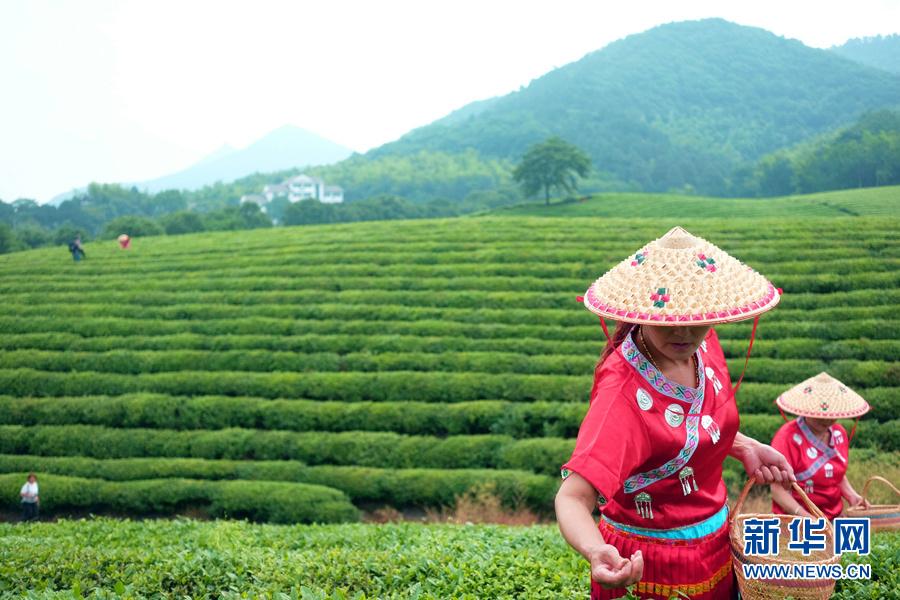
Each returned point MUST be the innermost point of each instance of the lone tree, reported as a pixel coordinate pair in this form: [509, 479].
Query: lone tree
[554, 163]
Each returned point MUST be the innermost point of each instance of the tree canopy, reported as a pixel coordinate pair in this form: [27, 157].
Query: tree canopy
[865, 154]
[552, 164]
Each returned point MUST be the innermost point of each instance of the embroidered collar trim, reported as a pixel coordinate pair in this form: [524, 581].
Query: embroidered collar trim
[655, 377]
[818, 444]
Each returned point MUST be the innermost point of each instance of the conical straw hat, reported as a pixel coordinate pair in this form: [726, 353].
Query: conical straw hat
[823, 397]
[680, 279]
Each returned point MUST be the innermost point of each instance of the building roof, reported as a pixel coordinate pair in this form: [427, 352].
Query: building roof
[304, 179]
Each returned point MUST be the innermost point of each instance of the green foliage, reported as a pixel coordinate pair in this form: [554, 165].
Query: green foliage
[860, 202]
[8, 241]
[181, 222]
[333, 562]
[402, 362]
[309, 212]
[369, 449]
[131, 225]
[866, 154]
[395, 364]
[232, 218]
[33, 235]
[277, 502]
[401, 488]
[552, 164]
[879, 51]
[681, 105]
[419, 176]
[68, 232]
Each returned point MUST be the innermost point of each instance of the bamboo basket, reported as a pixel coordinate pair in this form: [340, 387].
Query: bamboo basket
[771, 589]
[884, 517]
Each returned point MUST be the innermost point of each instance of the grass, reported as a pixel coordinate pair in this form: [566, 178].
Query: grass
[882, 201]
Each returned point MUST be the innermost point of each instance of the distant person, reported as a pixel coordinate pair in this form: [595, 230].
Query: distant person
[76, 249]
[31, 501]
[817, 446]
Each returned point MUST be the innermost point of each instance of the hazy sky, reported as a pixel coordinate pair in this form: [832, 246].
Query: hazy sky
[123, 90]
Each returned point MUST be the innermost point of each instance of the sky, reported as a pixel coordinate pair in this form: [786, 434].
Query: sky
[121, 90]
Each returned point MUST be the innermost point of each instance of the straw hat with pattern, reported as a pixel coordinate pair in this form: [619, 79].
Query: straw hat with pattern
[823, 397]
[680, 279]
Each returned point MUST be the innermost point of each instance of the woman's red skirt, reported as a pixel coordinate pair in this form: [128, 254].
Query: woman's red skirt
[699, 568]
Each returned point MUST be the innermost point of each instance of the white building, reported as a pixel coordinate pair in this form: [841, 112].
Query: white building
[273, 191]
[304, 187]
[332, 194]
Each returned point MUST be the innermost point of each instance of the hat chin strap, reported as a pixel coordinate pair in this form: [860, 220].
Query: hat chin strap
[783, 416]
[852, 431]
[747, 360]
[605, 330]
[602, 322]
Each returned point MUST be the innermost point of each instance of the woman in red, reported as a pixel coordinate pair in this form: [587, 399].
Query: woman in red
[662, 420]
[818, 447]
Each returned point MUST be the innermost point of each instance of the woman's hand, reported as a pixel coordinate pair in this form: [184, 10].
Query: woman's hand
[857, 501]
[575, 502]
[763, 462]
[610, 570]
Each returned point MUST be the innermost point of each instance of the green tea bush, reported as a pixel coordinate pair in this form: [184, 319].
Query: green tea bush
[400, 364]
[276, 502]
[403, 560]
[161, 411]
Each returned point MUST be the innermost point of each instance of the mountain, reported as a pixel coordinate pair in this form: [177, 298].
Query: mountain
[679, 106]
[881, 52]
[223, 151]
[286, 147]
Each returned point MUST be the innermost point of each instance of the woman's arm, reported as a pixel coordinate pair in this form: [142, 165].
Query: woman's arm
[762, 461]
[787, 502]
[575, 503]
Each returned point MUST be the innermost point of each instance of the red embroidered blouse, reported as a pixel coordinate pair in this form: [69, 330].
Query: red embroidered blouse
[652, 448]
[820, 467]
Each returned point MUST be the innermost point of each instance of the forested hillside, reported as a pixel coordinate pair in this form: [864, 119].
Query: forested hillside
[679, 106]
[880, 51]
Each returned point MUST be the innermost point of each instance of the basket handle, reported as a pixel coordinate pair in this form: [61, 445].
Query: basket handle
[865, 492]
[809, 504]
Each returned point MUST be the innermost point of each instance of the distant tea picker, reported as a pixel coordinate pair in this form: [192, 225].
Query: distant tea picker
[662, 420]
[817, 446]
[76, 249]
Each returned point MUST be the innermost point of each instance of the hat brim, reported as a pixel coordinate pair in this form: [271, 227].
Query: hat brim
[804, 411]
[742, 313]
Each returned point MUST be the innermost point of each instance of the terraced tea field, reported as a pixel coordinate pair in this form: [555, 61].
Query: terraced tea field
[311, 374]
[302, 374]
